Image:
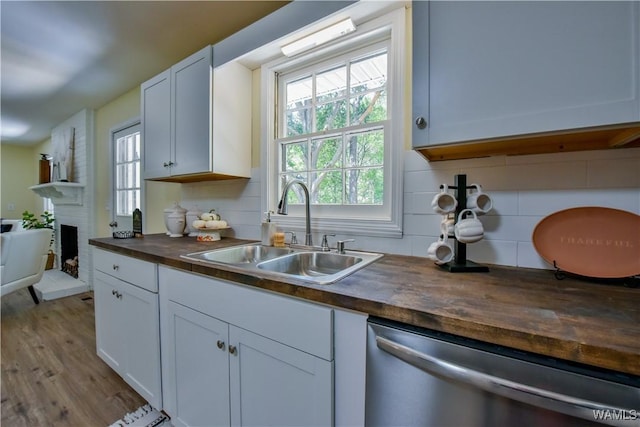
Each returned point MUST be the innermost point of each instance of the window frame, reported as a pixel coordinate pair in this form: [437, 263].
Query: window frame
[135, 129]
[127, 125]
[390, 29]
[317, 67]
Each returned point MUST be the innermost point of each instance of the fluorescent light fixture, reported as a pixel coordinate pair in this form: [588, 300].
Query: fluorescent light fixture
[319, 37]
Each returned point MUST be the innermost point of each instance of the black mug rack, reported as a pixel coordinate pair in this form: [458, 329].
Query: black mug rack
[460, 263]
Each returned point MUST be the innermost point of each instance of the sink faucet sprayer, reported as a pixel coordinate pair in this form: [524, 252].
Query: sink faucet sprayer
[282, 207]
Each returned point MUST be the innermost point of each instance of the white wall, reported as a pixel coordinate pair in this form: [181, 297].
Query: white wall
[80, 216]
[525, 189]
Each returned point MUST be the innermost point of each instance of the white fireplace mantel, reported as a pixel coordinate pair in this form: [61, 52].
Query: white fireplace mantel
[61, 193]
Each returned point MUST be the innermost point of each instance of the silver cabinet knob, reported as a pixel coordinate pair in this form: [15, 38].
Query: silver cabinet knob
[233, 350]
[116, 267]
[113, 292]
[421, 122]
[220, 344]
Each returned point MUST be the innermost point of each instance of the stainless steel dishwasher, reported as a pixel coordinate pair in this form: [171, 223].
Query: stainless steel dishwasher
[417, 377]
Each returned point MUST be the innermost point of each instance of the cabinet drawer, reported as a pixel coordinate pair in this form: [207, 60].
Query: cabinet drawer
[137, 272]
[299, 324]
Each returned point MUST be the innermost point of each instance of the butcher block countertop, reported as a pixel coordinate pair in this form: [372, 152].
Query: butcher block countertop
[526, 309]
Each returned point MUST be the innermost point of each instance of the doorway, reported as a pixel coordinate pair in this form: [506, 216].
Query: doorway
[127, 191]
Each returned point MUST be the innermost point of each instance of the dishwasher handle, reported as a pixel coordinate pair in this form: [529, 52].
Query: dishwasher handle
[557, 402]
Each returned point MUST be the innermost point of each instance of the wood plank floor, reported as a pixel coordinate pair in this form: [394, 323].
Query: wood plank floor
[51, 374]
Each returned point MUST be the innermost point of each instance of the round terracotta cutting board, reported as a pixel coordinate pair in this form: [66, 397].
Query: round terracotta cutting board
[591, 241]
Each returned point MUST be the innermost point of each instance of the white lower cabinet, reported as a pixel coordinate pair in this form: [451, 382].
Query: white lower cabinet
[273, 384]
[127, 324]
[238, 356]
[197, 378]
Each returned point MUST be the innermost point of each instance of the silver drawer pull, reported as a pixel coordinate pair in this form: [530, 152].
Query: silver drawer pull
[116, 267]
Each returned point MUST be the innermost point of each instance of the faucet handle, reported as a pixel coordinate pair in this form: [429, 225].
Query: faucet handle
[294, 239]
[340, 245]
[325, 244]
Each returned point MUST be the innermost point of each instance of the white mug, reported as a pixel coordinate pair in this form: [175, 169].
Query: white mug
[468, 230]
[444, 203]
[447, 227]
[440, 252]
[479, 202]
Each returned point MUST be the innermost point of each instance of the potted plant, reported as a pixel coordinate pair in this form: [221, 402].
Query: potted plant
[46, 220]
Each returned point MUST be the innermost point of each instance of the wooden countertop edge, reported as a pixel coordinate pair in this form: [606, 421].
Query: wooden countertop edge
[602, 356]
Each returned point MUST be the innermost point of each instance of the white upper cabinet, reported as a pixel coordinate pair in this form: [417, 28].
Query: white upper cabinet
[196, 121]
[156, 124]
[500, 70]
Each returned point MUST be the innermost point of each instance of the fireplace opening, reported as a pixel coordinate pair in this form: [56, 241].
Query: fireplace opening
[69, 249]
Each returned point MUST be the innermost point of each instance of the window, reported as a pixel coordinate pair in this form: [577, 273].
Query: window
[333, 125]
[337, 115]
[47, 205]
[127, 170]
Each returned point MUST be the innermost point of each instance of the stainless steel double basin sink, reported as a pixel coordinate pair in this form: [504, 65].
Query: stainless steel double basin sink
[299, 263]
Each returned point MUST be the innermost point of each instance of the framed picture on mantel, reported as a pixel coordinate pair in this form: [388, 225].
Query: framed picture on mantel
[63, 146]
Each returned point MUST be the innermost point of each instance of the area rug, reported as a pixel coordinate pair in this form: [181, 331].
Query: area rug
[145, 416]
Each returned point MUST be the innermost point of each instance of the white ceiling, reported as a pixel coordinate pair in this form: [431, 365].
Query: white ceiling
[59, 57]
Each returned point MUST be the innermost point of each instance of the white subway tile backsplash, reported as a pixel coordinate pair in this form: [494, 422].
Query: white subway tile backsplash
[547, 202]
[407, 203]
[543, 159]
[509, 227]
[423, 180]
[422, 225]
[493, 252]
[413, 161]
[614, 173]
[529, 258]
[552, 176]
[421, 203]
[492, 179]
[504, 202]
[419, 245]
[524, 190]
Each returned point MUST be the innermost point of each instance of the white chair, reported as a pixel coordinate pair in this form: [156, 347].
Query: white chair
[10, 225]
[23, 259]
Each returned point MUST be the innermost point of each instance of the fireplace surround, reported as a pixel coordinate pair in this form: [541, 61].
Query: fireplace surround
[75, 210]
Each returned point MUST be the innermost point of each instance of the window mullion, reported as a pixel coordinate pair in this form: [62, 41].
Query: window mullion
[348, 93]
[314, 103]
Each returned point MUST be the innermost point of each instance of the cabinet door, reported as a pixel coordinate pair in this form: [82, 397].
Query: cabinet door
[110, 342]
[155, 109]
[141, 330]
[494, 69]
[191, 83]
[274, 384]
[128, 334]
[196, 367]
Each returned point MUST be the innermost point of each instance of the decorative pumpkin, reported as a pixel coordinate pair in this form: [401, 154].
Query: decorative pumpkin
[214, 224]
